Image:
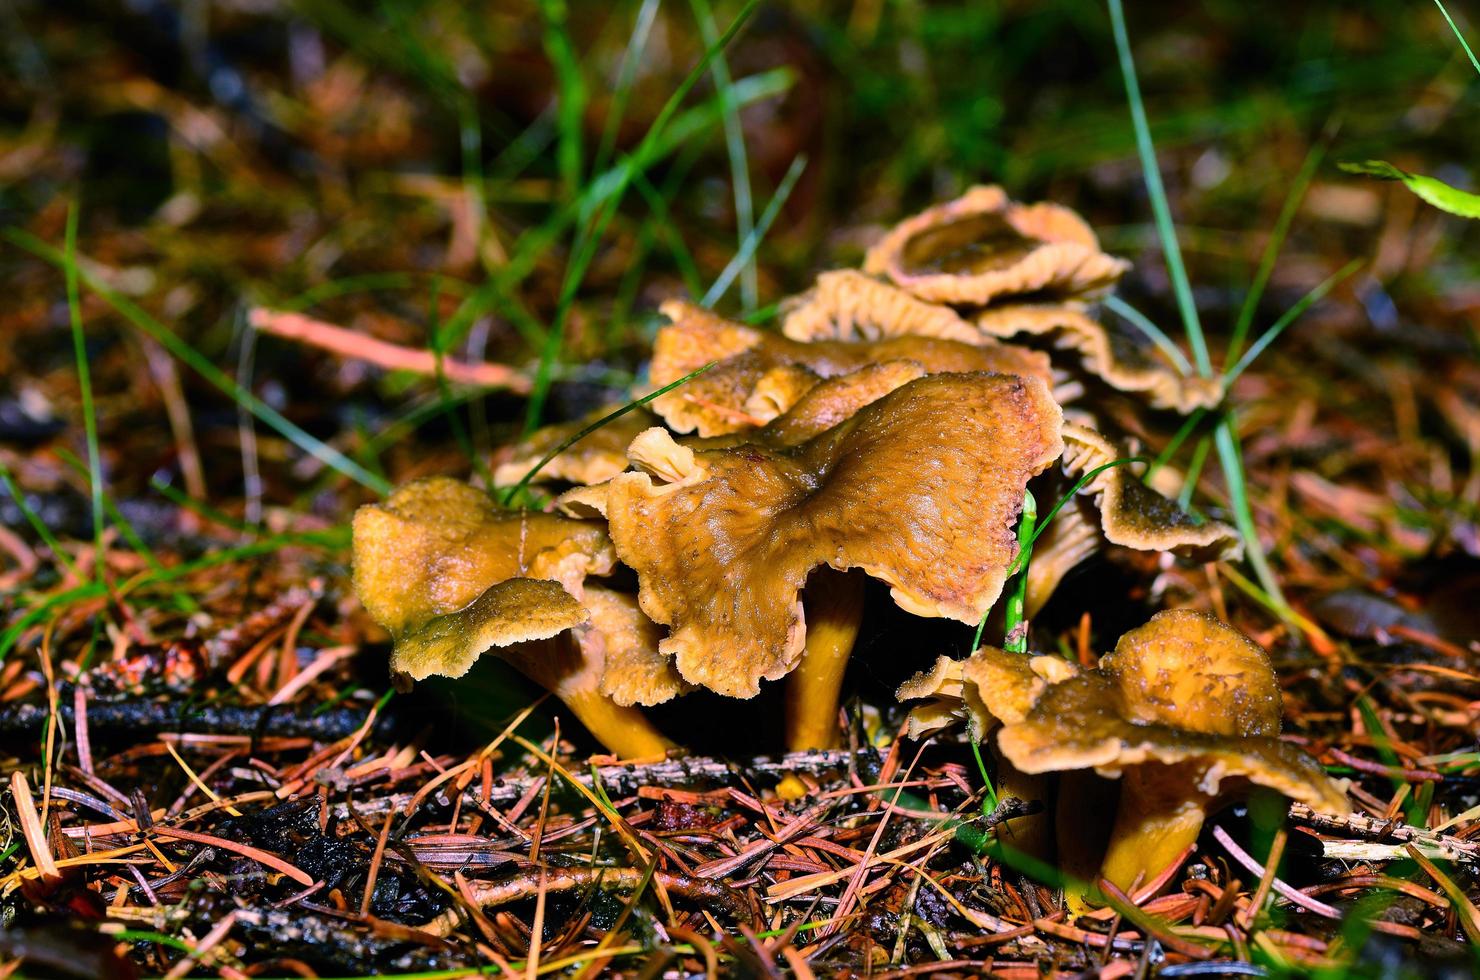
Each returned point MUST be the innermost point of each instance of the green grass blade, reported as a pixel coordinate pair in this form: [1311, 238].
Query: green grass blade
[1289, 317]
[1165, 456]
[136, 315]
[734, 147]
[1162, 211]
[1272, 250]
[571, 94]
[642, 26]
[1460, 37]
[1429, 189]
[37, 524]
[1157, 336]
[84, 381]
[743, 258]
[1225, 440]
[1014, 625]
[1194, 473]
[589, 234]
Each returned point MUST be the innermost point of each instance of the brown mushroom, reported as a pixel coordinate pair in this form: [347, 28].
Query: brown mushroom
[1125, 512]
[919, 489]
[720, 400]
[450, 575]
[982, 246]
[1112, 355]
[598, 457]
[846, 304]
[1186, 712]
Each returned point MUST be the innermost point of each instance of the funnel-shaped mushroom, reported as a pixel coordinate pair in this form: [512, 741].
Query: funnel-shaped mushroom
[981, 246]
[724, 398]
[596, 458]
[449, 575]
[1186, 712]
[919, 489]
[1114, 356]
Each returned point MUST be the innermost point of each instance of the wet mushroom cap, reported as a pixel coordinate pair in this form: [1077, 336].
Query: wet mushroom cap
[597, 457]
[1135, 516]
[435, 545]
[715, 402]
[919, 489]
[1183, 691]
[981, 246]
[507, 614]
[1109, 353]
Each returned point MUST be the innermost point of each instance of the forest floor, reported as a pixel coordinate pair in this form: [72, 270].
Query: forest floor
[208, 770]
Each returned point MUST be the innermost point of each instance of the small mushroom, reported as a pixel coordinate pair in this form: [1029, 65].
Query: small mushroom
[1186, 713]
[920, 489]
[721, 400]
[1112, 355]
[449, 575]
[1126, 512]
[982, 246]
[598, 457]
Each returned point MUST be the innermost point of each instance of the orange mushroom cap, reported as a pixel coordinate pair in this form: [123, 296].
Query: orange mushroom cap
[920, 489]
[720, 400]
[1185, 691]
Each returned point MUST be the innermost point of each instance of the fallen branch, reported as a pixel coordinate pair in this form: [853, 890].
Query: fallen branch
[1382, 840]
[392, 357]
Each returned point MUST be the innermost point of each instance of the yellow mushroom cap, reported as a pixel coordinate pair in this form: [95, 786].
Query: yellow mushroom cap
[1184, 691]
[989, 687]
[719, 401]
[981, 246]
[919, 489]
[1135, 516]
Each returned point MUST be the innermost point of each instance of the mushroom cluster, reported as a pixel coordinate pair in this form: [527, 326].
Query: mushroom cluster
[889, 431]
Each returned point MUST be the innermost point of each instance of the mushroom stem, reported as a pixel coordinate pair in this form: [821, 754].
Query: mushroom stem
[562, 668]
[1081, 841]
[625, 731]
[1033, 834]
[834, 607]
[1161, 813]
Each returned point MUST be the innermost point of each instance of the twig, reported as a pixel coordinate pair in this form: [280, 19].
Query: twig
[392, 357]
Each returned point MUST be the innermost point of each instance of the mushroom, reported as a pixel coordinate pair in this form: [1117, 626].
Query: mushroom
[846, 304]
[598, 457]
[1186, 713]
[982, 246]
[1126, 512]
[781, 370]
[1120, 359]
[920, 489]
[449, 575]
